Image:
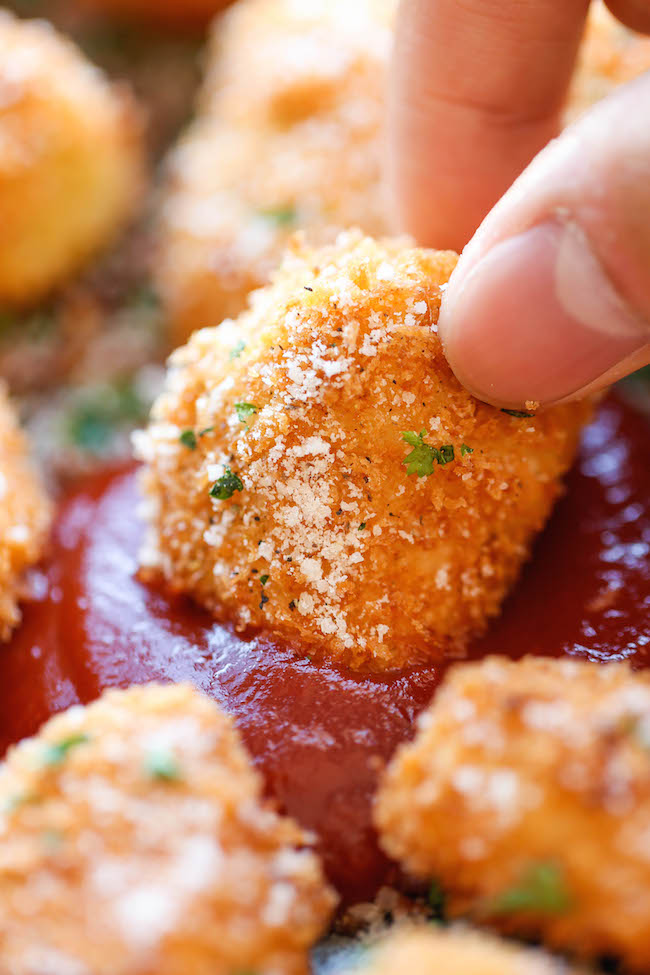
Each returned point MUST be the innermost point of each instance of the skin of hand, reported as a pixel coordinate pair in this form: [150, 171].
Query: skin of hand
[551, 297]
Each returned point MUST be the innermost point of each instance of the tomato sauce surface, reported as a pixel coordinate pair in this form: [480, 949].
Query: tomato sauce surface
[319, 735]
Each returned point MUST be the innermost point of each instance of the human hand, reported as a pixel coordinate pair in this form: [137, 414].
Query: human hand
[551, 298]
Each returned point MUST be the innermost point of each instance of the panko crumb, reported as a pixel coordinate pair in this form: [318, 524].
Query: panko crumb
[420, 950]
[526, 795]
[71, 159]
[135, 840]
[314, 469]
[288, 135]
[25, 514]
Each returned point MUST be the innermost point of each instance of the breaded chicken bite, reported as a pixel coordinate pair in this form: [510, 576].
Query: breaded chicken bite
[316, 470]
[24, 516]
[135, 840]
[71, 159]
[452, 951]
[526, 795]
[609, 56]
[288, 135]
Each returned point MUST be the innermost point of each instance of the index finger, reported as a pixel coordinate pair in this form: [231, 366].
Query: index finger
[477, 89]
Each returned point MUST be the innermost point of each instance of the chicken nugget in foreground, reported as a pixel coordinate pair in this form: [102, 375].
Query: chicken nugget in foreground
[315, 470]
[135, 840]
[453, 951]
[24, 516]
[526, 795]
[71, 159]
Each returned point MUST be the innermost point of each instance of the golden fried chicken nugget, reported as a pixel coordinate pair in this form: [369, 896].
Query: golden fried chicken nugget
[24, 516]
[315, 468]
[452, 951]
[289, 135]
[71, 159]
[135, 840]
[526, 794]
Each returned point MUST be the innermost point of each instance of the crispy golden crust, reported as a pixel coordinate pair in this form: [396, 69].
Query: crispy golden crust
[453, 951]
[288, 136]
[135, 841]
[24, 516]
[526, 793]
[71, 159]
[609, 56]
[366, 564]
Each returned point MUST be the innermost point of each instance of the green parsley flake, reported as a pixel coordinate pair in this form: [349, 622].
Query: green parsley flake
[225, 486]
[244, 410]
[57, 753]
[464, 449]
[541, 890]
[237, 350]
[436, 899]
[188, 439]
[520, 414]
[361, 526]
[264, 579]
[422, 458]
[281, 216]
[162, 765]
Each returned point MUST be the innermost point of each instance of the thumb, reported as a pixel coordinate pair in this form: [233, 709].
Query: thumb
[551, 297]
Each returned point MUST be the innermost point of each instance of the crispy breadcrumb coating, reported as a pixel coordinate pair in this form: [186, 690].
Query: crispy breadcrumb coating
[288, 135]
[315, 469]
[609, 56]
[24, 516]
[526, 794]
[71, 159]
[135, 840]
[433, 950]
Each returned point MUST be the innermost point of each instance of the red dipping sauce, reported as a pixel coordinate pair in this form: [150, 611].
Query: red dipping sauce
[320, 735]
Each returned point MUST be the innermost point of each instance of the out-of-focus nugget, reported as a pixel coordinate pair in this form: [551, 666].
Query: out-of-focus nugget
[71, 160]
[24, 516]
[161, 13]
[288, 135]
[135, 840]
[526, 794]
[315, 469]
[452, 951]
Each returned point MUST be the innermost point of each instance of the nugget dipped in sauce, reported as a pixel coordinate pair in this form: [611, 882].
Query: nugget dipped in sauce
[71, 163]
[288, 135]
[168, 14]
[420, 950]
[135, 840]
[315, 469]
[526, 794]
[24, 516]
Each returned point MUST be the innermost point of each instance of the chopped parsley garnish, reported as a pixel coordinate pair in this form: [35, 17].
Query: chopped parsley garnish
[464, 449]
[244, 410]
[436, 899]
[361, 526]
[281, 216]
[264, 579]
[423, 456]
[237, 350]
[57, 753]
[203, 432]
[188, 439]
[162, 765]
[520, 414]
[226, 485]
[541, 890]
[100, 412]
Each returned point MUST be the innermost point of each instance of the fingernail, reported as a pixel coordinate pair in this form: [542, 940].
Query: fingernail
[536, 318]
